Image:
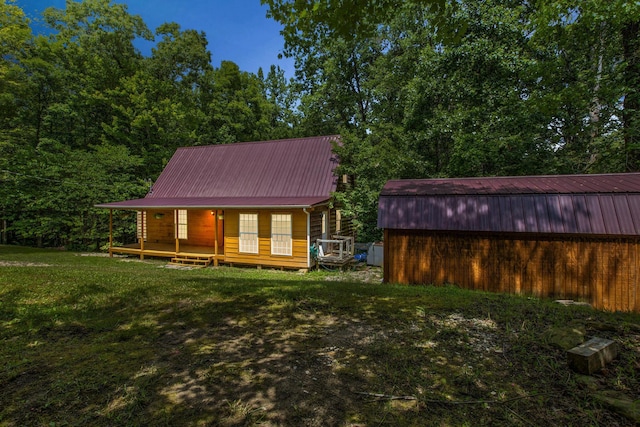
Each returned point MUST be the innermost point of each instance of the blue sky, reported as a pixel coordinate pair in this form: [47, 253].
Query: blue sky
[237, 30]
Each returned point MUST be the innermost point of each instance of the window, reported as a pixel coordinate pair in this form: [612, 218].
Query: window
[248, 233]
[141, 225]
[182, 224]
[281, 234]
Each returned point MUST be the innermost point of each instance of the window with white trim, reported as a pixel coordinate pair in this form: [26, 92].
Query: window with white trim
[248, 233]
[141, 225]
[281, 240]
[182, 224]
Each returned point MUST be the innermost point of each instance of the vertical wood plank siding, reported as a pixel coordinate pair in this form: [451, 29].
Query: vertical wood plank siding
[200, 228]
[601, 271]
[162, 229]
[200, 231]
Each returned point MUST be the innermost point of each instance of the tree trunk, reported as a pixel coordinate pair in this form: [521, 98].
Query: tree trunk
[631, 108]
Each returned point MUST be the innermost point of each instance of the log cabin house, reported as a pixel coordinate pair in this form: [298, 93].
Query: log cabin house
[257, 203]
[567, 237]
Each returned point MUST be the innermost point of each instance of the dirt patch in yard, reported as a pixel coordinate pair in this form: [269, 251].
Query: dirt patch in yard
[309, 367]
[364, 274]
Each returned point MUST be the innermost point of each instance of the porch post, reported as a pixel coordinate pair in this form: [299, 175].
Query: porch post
[175, 229]
[308, 238]
[110, 232]
[215, 242]
[143, 220]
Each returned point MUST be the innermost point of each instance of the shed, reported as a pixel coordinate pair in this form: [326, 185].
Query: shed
[565, 236]
[256, 203]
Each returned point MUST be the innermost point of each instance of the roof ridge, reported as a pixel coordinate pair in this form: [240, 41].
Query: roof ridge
[257, 142]
[589, 175]
[610, 183]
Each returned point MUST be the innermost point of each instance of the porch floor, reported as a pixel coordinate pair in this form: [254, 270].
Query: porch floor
[167, 250]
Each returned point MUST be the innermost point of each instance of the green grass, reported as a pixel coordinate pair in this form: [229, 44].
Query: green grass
[88, 340]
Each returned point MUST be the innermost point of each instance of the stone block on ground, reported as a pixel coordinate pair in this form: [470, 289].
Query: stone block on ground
[592, 356]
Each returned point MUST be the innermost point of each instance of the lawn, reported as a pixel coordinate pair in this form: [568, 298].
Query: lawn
[89, 340]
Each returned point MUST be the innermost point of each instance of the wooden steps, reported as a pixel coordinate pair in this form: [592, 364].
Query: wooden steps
[190, 261]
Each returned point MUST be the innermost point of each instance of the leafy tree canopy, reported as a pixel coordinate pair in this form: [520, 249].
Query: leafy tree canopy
[87, 119]
[466, 88]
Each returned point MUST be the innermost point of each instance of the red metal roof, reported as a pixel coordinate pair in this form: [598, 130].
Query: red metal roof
[570, 204]
[288, 172]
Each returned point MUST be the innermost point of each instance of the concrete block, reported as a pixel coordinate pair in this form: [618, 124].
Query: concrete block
[592, 356]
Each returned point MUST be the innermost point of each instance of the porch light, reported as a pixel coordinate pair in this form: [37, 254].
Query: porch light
[159, 215]
[221, 216]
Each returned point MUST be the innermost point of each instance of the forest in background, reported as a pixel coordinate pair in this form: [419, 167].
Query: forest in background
[417, 89]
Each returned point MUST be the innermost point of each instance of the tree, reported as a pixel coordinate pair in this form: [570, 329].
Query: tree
[595, 46]
[466, 88]
[85, 118]
[281, 97]
[56, 163]
[55, 188]
[93, 42]
[162, 106]
[470, 112]
[238, 109]
[307, 23]
[15, 38]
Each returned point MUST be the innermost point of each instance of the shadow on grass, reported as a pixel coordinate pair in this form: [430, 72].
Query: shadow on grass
[208, 350]
[223, 351]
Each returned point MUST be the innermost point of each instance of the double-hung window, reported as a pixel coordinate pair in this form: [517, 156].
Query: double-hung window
[182, 224]
[248, 233]
[281, 234]
[141, 225]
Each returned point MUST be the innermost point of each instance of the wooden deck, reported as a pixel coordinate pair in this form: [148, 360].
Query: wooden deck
[336, 252]
[165, 250]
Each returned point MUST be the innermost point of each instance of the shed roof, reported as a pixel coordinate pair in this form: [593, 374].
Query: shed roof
[289, 172]
[607, 204]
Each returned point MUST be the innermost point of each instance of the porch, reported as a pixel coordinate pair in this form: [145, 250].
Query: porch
[168, 250]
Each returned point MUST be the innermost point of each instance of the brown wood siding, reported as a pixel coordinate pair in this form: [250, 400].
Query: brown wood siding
[200, 229]
[346, 225]
[332, 222]
[316, 225]
[160, 230]
[300, 250]
[601, 271]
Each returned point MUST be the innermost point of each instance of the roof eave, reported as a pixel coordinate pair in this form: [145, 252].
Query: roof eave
[146, 207]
